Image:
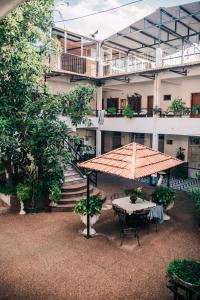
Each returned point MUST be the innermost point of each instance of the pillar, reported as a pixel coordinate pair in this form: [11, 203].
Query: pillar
[156, 102]
[98, 142]
[99, 97]
[158, 57]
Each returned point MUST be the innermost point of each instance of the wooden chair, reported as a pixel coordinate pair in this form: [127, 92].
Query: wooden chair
[125, 228]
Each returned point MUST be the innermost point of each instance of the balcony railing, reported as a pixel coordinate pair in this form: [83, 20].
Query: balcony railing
[74, 64]
[146, 112]
[88, 66]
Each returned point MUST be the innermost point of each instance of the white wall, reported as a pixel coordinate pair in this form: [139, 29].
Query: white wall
[178, 141]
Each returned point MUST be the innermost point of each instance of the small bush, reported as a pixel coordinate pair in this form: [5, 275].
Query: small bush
[164, 196]
[7, 189]
[55, 193]
[94, 207]
[23, 191]
[187, 270]
[128, 112]
[195, 195]
[138, 192]
[111, 110]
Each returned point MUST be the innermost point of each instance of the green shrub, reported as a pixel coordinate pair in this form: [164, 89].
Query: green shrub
[94, 207]
[198, 174]
[178, 106]
[111, 110]
[128, 112]
[138, 192]
[55, 193]
[187, 270]
[7, 189]
[23, 191]
[195, 195]
[163, 196]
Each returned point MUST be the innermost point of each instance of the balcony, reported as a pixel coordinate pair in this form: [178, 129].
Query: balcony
[74, 64]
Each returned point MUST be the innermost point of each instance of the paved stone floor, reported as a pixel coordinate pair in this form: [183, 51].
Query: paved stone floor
[44, 256]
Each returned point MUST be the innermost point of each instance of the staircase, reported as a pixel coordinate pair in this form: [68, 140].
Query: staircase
[4, 208]
[73, 189]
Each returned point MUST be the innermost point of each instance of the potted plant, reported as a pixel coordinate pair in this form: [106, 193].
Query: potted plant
[196, 109]
[164, 196]
[111, 110]
[186, 273]
[94, 211]
[128, 112]
[55, 194]
[135, 193]
[23, 194]
[198, 175]
[157, 110]
[178, 107]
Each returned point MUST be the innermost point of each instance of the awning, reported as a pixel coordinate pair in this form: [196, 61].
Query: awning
[132, 161]
[167, 27]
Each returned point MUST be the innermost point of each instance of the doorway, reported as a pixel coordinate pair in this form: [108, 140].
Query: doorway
[150, 106]
[135, 102]
[113, 102]
[195, 105]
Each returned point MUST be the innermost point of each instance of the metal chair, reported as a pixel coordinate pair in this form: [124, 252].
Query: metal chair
[126, 228]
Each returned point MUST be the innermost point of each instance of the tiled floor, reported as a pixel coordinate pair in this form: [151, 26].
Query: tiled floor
[44, 256]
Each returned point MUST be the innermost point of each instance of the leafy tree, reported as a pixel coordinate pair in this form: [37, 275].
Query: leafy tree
[31, 133]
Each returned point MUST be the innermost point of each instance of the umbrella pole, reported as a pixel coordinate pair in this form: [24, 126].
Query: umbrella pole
[168, 178]
[88, 207]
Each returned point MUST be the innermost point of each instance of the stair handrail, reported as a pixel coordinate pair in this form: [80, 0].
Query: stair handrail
[77, 158]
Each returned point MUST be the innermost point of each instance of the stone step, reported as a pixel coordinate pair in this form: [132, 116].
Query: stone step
[71, 173]
[75, 192]
[71, 198]
[4, 210]
[68, 207]
[73, 182]
[73, 187]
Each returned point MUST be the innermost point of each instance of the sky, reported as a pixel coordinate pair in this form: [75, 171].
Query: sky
[106, 23]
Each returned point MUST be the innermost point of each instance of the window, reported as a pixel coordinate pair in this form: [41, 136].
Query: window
[169, 142]
[167, 97]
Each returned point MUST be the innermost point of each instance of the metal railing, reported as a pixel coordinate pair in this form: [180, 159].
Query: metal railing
[147, 112]
[78, 158]
[74, 64]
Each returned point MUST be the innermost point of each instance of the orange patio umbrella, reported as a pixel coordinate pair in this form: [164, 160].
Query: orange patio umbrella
[131, 161]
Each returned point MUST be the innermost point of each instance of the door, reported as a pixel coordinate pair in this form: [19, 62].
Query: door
[195, 105]
[150, 105]
[113, 102]
[117, 140]
[135, 103]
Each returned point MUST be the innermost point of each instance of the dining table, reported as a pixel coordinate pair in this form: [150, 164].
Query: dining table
[130, 208]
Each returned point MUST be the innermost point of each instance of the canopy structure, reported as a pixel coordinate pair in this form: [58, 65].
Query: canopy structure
[167, 27]
[132, 161]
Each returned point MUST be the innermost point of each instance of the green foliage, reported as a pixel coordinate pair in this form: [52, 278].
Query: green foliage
[178, 107]
[30, 129]
[187, 270]
[94, 207]
[7, 189]
[138, 192]
[55, 193]
[128, 112]
[195, 195]
[164, 196]
[23, 191]
[111, 110]
[77, 104]
[156, 110]
[196, 109]
[198, 174]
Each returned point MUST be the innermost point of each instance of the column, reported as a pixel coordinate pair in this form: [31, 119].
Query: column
[99, 96]
[98, 142]
[158, 57]
[156, 102]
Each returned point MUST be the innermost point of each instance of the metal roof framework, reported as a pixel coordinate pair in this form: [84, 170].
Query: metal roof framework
[169, 28]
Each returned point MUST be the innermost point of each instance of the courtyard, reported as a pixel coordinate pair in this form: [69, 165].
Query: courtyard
[44, 256]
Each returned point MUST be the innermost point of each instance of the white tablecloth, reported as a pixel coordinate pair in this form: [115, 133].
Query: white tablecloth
[130, 208]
